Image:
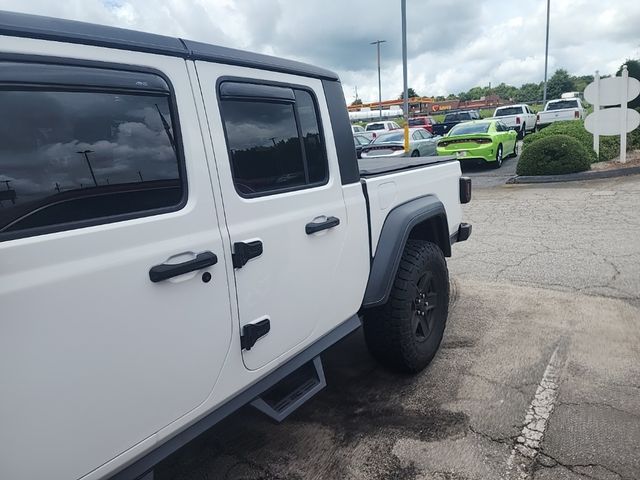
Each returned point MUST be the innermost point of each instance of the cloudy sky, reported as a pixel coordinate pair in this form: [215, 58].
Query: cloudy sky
[453, 45]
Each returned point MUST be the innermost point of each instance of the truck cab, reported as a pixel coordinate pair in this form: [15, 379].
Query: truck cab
[187, 227]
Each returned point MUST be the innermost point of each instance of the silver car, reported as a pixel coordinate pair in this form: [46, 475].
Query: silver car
[421, 144]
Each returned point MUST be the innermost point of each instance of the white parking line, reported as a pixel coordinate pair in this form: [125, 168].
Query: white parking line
[528, 443]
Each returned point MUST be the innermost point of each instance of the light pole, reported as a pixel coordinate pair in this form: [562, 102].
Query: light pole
[546, 57]
[86, 157]
[377, 43]
[405, 88]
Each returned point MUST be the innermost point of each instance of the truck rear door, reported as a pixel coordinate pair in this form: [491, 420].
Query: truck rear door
[283, 201]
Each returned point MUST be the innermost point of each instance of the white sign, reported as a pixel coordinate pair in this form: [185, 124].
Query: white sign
[610, 90]
[608, 121]
[612, 121]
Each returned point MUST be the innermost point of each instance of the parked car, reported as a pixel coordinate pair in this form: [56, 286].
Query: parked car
[359, 130]
[360, 141]
[190, 229]
[560, 110]
[425, 122]
[421, 144]
[488, 140]
[451, 119]
[519, 117]
[377, 128]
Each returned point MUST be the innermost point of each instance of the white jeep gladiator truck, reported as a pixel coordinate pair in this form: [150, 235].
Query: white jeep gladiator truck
[560, 110]
[518, 117]
[184, 229]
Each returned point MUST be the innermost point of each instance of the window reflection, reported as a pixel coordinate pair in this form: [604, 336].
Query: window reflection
[70, 156]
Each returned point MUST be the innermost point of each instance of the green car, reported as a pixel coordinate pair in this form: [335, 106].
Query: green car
[488, 140]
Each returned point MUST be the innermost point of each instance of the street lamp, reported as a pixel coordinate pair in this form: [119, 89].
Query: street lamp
[86, 157]
[377, 43]
[546, 57]
[405, 88]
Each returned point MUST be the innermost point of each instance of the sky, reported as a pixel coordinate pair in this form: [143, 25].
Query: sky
[452, 45]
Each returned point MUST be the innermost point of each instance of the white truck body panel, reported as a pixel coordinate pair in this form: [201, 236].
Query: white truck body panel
[390, 190]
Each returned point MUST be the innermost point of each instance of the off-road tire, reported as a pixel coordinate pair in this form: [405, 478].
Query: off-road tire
[394, 333]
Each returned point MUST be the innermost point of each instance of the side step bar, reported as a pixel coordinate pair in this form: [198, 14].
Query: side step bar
[291, 392]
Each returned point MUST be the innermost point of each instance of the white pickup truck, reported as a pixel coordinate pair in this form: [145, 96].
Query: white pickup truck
[184, 230]
[518, 117]
[560, 110]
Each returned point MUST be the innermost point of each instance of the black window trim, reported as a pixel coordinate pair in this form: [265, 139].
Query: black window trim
[257, 98]
[177, 135]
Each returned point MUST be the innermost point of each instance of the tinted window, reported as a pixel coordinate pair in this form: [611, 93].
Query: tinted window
[562, 104]
[274, 145]
[415, 122]
[375, 126]
[390, 137]
[78, 156]
[503, 112]
[469, 128]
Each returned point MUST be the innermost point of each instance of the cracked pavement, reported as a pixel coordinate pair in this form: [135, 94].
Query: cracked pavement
[549, 277]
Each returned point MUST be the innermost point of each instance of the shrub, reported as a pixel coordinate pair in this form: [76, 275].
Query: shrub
[553, 155]
[575, 129]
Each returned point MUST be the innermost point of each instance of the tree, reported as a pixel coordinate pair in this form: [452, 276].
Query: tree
[357, 101]
[410, 92]
[504, 91]
[451, 96]
[559, 83]
[529, 92]
[633, 67]
[581, 82]
[439, 98]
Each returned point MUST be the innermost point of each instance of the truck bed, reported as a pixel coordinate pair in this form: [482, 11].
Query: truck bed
[377, 166]
[389, 182]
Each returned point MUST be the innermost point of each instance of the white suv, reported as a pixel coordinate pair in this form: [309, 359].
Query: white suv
[376, 128]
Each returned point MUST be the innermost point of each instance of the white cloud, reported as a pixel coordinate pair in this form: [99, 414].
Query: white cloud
[452, 45]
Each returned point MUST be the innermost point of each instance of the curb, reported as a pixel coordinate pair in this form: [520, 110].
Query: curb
[574, 177]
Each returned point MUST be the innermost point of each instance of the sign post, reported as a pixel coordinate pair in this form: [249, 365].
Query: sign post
[610, 92]
[624, 89]
[596, 107]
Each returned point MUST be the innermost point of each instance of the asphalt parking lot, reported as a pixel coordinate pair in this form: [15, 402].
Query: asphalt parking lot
[538, 376]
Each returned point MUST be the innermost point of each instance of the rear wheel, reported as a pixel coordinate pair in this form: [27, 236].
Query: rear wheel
[523, 131]
[498, 162]
[515, 149]
[406, 332]
[415, 153]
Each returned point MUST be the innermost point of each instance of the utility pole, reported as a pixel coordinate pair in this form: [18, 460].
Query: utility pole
[546, 58]
[403, 12]
[377, 43]
[86, 157]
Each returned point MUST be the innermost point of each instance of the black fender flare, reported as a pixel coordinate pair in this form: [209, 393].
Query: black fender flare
[395, 232]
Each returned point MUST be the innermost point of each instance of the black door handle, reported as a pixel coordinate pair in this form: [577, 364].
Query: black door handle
[314, 227]
[167, 270]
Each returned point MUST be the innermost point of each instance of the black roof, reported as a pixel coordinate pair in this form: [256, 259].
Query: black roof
[47, 28]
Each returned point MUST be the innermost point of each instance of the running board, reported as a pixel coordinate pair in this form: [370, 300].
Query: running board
[292, 391]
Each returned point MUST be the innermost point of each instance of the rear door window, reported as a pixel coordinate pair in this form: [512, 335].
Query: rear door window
[274, 138]
[70, 156]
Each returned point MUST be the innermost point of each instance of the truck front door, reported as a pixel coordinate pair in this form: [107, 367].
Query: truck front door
[115, 316]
